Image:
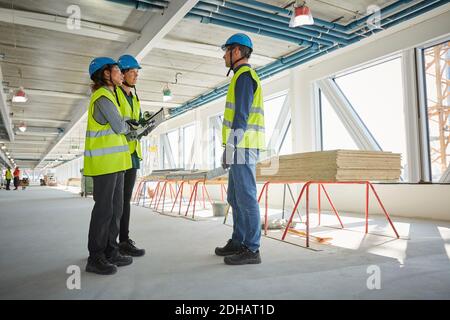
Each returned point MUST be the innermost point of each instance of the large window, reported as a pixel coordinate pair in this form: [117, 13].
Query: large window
[334, 134]
[272, 110]
[286, 144]
[174, 141]
[436, 71]
[188, 146]
[365, 110]
[376, 94]
[216, 150]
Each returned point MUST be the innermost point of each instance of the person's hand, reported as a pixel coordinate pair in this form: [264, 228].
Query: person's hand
[227, 156]
[133, 124]
[144, 133]
[132, 135]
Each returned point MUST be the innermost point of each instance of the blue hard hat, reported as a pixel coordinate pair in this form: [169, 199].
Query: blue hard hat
[238, 38]
[99, 63]
[128, 62]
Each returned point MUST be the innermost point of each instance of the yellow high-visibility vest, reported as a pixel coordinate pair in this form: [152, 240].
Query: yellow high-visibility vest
[105, 151]
[254, 136]
[130, 112]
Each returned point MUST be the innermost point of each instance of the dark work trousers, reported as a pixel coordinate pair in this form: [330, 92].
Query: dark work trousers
[106, 215]
[8, 183]
[130, 179]
[16, 182]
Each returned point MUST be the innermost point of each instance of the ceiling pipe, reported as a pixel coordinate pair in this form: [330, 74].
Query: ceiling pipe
[292, 64]
[142, 5]
[349, 28]
[405, 15]
[242, 27]
[306, 55]
[161, 3]
[221, 91]
[386, 11]
[306, 40]
[322, 26]
[274, 26]
[286, 12]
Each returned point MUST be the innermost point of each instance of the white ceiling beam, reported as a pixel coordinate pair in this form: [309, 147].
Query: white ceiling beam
[44, 130]
[5, 158]
[205, 50]
[18, 119]
[95, 30]
[55, 94]
[158, 26]
[31, 142]
[156, 105]
[58, 23]
[58, 94]
[4, 110]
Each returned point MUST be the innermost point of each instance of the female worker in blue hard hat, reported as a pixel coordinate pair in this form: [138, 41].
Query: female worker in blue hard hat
[131, 109]
[106, 158]
[243, 139]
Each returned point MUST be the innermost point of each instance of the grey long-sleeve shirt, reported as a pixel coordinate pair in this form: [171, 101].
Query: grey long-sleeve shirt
[106, 112]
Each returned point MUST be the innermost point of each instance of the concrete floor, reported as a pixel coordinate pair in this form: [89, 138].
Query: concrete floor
[44, 230]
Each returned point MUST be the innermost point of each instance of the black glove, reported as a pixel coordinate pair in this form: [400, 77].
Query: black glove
[132, 135]
[133, 124]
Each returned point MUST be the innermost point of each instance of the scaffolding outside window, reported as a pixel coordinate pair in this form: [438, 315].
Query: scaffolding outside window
[436, 71]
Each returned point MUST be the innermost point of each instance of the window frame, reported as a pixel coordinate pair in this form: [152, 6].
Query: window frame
[424, 133]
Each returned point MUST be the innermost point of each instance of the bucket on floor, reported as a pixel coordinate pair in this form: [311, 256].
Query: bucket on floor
[219, 208]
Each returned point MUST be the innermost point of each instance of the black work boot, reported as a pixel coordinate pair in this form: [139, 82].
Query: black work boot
[244, 257]
[129, 249]
[120, 260]
[229, 249]
[100, 265]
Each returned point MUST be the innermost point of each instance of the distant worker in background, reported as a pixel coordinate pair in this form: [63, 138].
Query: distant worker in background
[131, 109]
[8, 177]
[16, 178]
[106, 158]
[243, 138]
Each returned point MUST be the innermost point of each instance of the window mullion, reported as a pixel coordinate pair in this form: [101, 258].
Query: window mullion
[410, 103]
[277, 135]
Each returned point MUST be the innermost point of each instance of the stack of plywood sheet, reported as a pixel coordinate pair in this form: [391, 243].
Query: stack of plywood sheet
[336, 165]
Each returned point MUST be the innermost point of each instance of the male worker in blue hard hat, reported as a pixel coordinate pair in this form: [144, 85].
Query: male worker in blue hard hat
[243, 139]
[131, 109]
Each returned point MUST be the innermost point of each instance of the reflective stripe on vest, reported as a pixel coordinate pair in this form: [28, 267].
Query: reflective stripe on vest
[130, 113]
[254, 136]
[105, 151]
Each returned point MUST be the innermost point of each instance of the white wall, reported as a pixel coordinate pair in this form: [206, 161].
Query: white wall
[68, 170]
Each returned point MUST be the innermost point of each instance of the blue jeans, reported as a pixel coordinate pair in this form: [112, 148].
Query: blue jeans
[242, 198]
